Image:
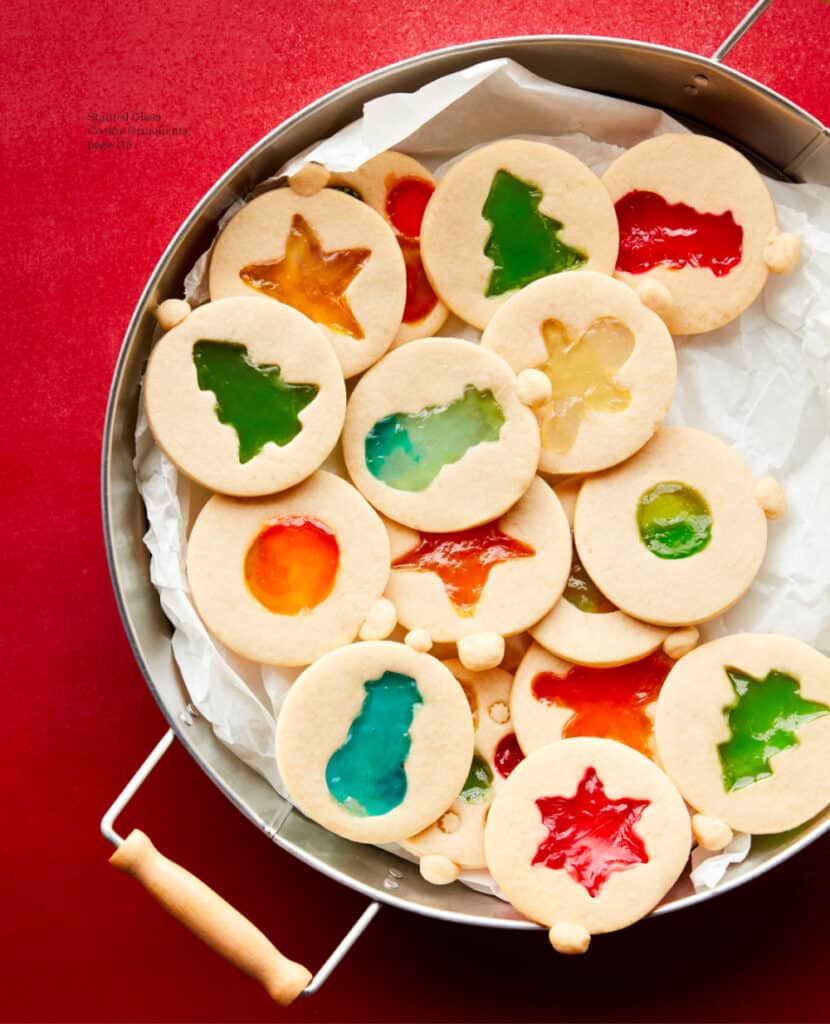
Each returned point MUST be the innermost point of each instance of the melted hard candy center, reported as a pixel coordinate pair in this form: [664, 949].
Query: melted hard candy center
[479, 781]
[292, 564]
[406, 201]
[582, 592]
[508, 755]
[674, 520]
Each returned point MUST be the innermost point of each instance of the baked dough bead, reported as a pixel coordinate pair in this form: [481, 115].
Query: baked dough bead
[171, 312]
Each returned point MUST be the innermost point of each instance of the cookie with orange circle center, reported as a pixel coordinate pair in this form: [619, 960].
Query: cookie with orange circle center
[509, 214]
[281, 580]
[374, 741]
[326, 254]
[698, 229]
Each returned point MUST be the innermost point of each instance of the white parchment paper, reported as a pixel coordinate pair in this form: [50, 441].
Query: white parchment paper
[762, 384]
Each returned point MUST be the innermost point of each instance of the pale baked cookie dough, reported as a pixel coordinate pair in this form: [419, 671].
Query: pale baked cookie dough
[456, 839]
[511, 213]
[436, 437]
[374, 741]
[332, 257]
[743, 729]
[245, 396]
[586, 836]
[282, 580]
[399, 187]
[676, 534]
[609, 359]
[722, 236]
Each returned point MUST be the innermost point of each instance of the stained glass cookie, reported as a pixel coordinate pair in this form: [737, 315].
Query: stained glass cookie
[399, 188]
[610, 362]
[326, 254]
[698, 230]
[497, 578]
[244, 395]
[437, 438]
[586, 836]
[281, 580]
[374, 741]
[743, 729]
[584, 627]
[509, 214]
[456, 840]
[676, 534]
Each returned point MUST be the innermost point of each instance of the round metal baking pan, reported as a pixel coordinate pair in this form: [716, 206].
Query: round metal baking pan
[779, 137]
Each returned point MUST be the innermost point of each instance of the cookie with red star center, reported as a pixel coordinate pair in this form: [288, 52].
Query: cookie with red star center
[610, 362]
[509, 214]
[586, 836]
[698, 230]
[328, 255]
[399, 188]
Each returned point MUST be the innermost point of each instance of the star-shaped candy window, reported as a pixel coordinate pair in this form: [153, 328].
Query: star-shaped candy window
[581, 371]
[310, 280]
[463, 560]
[590, 836]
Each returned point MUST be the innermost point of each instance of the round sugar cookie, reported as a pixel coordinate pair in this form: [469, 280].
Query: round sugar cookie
[610, 362]
[583, 626]
[698, 230]
[328, 255]
[282, 580]
[374, 741]
[500, 577]
[399, 188]
[554, 700]
[676, 534]
[743, 730]
[436, 437]
[586, 836]
[245, 396]
[456, 839]
[508, 214]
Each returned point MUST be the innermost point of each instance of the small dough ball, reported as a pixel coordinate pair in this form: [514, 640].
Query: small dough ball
[782, 253]
[309, 180]
[481, 651]
[380, 620]
[711, 833]
[569, 938]
[438, 870]
[418, 640]
[771, 498]
[534, 387]
[171, 312]
[680, 642]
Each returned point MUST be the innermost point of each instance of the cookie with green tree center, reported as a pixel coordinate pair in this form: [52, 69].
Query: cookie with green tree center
[675, 535]
[245, 396]
[743, 729]
[374, 741]
[509, 214]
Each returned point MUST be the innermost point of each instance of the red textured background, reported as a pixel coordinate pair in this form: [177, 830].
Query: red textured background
[82, 231]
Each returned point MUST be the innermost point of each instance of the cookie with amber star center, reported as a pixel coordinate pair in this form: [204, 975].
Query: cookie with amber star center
[743, 729]
[281, 580]
[436, 437]
[374, 741]
[245, 396]
[698, 229]
[586, 836]
[610, 362]
[328, 255]
[509, 214]
[676, 534]
[500, 577]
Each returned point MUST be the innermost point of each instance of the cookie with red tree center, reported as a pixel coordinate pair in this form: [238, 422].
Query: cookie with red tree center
[586, 836]
[698, 230]
[437, 438]
[326, 254]
[609, 360]
[509, 214]
[399, 188]
[585, 628]
[283, 579]
[245, 396]
[374, 741]
[676, 534]
[743, 730]
[456, 840]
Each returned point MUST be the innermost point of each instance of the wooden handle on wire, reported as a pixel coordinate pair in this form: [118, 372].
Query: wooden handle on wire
[211, 918]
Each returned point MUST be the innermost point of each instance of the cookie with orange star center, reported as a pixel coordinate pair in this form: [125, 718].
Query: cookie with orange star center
[399, 188]
[586, 836]
[326, 254]
[610, 362]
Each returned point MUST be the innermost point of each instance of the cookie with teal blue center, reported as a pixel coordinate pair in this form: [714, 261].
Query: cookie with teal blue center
[374, 741]
[245, 396]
